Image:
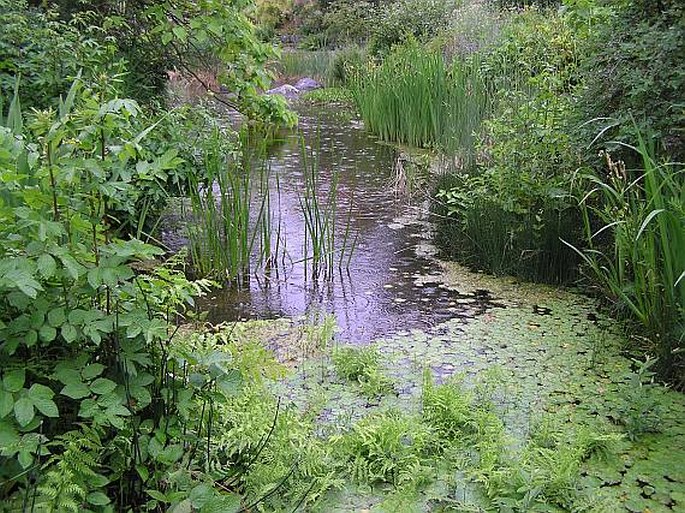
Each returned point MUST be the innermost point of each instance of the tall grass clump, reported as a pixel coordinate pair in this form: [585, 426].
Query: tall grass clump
[304, 63]
[484, 230]
[642, 265]
[231, 224]
[323, 244]
[415, 97]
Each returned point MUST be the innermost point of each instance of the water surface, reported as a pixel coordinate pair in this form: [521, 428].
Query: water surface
[373, 293]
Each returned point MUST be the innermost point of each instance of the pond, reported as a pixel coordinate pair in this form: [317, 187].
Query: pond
[383, 286]
[551, 358]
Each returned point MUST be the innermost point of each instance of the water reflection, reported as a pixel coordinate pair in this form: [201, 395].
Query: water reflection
[376, 293]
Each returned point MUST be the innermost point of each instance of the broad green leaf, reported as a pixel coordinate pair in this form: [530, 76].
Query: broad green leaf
[180, 33]
[68, 332]
[47, 333]
[231, 382]
[94, 278]
[222, 503]
[102, 386]
[97, 499]
[182, 507]
[201, 494]
[157, 495]
[57, 317]
[71, 265]
[40, 392]
[93, 370]
[13, 380]
[67, 376]
[31, 338]
[8, 434]
[25, 458]
[41, 396]
[76, 390]
[23, 411]
[6, 403]
[46, 265]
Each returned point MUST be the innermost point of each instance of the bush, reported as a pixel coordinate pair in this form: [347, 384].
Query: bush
[45, 54]
[511, 208]
[399, 21]
[636, 72]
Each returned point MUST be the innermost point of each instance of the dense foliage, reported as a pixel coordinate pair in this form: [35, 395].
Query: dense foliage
[103, 406]
[526, 99]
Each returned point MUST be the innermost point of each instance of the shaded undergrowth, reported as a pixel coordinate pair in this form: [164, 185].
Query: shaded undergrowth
[465, 442]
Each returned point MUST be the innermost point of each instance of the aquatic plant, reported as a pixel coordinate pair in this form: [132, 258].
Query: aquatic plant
[361, 365]
[642, 212]
[231, 224]
[415, 97]
[321, 223]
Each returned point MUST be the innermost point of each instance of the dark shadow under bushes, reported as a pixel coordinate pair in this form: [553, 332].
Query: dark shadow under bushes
[483, 234]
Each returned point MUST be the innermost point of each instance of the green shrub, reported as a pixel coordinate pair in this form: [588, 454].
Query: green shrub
[350, 22]
[403, 20]
[635, 75]
[509, 211]
[387, 448]
[361, 365]
[45, 54]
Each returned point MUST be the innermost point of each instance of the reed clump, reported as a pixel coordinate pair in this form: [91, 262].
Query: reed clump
[232, 220]
[416, 97]
[635, 235]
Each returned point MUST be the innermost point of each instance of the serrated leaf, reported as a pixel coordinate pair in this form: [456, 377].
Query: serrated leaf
[102, 386]
[13, 380]
[71, 265]
[97, 499]
[23, 411]
[76, 390]
[66, 375]
[46, 265]
[47, 407]
[40, 392]
[93, 370]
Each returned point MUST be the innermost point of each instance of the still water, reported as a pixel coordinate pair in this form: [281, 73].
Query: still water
[386, 286]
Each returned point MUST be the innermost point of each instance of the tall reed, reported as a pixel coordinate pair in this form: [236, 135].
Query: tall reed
[643, 267]
[232, 223]
[321, 221]
[415, 97]
[304, 63]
